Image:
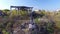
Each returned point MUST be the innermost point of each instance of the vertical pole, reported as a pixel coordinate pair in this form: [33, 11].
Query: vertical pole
[11, 32]
[10, 11]
[17, 11]
[31, 16]
[31, 20]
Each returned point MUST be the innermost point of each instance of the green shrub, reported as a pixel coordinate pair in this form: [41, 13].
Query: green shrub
[5, 32]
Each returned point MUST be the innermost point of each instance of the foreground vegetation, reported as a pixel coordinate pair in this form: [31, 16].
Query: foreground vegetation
[10, 21]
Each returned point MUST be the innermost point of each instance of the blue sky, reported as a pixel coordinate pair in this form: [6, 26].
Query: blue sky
[37, 4]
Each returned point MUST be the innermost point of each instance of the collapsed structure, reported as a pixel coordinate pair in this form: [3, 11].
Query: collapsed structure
[31, 24]
[24, 8]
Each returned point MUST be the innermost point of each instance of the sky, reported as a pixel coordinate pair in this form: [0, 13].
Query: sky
[37, 4]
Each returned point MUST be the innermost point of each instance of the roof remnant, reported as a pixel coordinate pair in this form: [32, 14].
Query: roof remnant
[20, 7]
